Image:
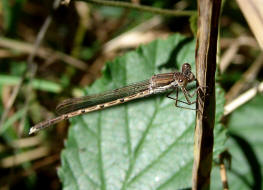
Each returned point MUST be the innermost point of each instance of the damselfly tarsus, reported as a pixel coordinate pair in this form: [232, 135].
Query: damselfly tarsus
[159, 83]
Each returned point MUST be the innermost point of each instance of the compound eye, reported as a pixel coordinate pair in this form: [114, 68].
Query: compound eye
[180, 80]
[186, 67]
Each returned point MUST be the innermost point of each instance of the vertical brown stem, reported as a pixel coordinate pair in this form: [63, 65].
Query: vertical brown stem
[208, 17]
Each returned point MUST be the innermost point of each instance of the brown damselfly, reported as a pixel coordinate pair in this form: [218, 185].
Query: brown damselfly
[159, 83]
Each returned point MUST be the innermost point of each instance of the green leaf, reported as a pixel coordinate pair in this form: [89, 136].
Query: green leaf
[143, 144]
[245, 145]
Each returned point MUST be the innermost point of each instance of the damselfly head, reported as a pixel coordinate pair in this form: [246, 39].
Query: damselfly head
[186, 67]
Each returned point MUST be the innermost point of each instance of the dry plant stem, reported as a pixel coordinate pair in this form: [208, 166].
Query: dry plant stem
[44, 53]
[27, 156]
[141, 7]
[234, 46]
[22, 143]
[242, 99]
[134, 37]
[223, 176]
[206, 47]
[253, 13]
[7, 54]
[31, 69]
[244, 40]
[224, 157]
[247, 77]
[27, 142]
[228, 55]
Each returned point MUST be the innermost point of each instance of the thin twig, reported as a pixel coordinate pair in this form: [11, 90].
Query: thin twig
[244, 41]
[246, 78]
[32, 66]
[224, 157]
[42, 52]
[234, 46]
[223, 176]
[26, 142]
[133, 37]
[27, 156]
[141, 8]
[228, 55]
[206, 48]
[242, 99]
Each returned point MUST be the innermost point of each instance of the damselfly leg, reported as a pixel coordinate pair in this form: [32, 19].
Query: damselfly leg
[186, 95]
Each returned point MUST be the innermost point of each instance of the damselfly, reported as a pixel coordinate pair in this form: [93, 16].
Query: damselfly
[159, 83]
